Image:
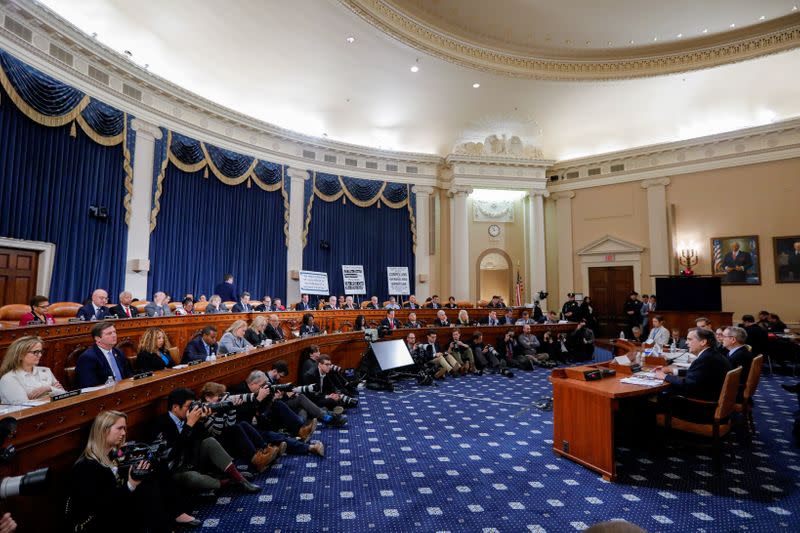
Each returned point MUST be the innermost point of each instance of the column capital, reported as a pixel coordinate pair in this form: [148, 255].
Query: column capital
[538, 192]
[422, 190]
[564, 195]
[297, 174]
[656, 182]
[145, 128]
[457, 190]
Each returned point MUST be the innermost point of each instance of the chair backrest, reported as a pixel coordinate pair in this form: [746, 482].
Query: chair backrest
[64, 309]
[465, 304]
[200, 307]
[727, 396]
[364, 304]
[753, 378]
[482, 303]
[140, 305]
[13, 312]
[175, 354]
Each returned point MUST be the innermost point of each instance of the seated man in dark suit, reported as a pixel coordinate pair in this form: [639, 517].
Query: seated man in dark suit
[96, 309]
[331, 305]
[198, 458]
[303, 304]
[328, 394]
[124, 309]
[273, 330]
[102, 360]
[266, 305]
[412, 321]
[348, 303]
[373, 303]
[390, 321]
[441, 320]
[203, 347]
[434, 303]
[159, 306]
[243, 305]
[492, 319]
[411, 303]
[757, 337]
[739, 354]
[705, 375]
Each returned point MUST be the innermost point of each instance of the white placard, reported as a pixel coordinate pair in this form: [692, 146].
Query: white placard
[314, 283]
[353, 276]
[398, 280]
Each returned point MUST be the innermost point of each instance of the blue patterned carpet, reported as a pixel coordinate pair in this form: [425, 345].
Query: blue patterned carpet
[474, 455]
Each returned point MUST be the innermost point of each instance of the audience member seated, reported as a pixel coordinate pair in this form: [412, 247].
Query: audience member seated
[243, 305]
[434, 303]
[703, 322]
[226, 289]
[757, 337]
[202, 299]
[185, 308]
[637, 335]
[159, 306]
[412, 321]
[328, 395]
[431, 354]
[373, 303]
[776, 325]
[551, 346]
[273, 330]
[441, 320]
[739, 354]
[349, 305]
[463, 318]
[38, 314]
[390, 321]
[462, 353]
[529, 346]
[340, 301]
[411, 303]
[581, 342]
[96, 309]
[103, 497]
[552, 318]
[303, 304]
[360, 324]
[266, 305]
[525, 319]
[199, 460]
[508, 318]
[239, 438]
[491, 319]
[154, 351]
[659, 335]
[277, 305]
[495, 303]
[124, 309]
[203, 347]
[308, 327]
[763, 320]
[21, 379]
[256, 333]
[451, 303]
[486, 356]
[102, 361]
[216, 305]
[331, 304]
[677, 341]
[508, 351]
[233, 340]
[392, 303]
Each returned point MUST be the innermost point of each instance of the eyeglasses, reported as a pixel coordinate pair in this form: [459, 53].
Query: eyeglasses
[36, 352]
[326, 364]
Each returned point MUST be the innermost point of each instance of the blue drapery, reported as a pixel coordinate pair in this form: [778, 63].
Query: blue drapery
[207, 229]
[50, 174]
[355, 218]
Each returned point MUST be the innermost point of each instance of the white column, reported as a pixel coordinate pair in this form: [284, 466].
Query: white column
[137, 262]
[566, 277]
[294, 252]
[537, 266]
[459, 242]
[422, 260]
[657, 225]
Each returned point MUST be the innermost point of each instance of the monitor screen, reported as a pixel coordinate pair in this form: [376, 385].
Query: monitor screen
[391, 354]
[689, 293]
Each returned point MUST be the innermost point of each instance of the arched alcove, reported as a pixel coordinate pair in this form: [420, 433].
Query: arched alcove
[494, 275]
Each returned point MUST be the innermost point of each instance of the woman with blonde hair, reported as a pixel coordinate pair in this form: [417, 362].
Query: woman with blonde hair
[102, 499]
[463, 318]
[255, 333]
[215, 305]
[21, 379]
[233, 340]
[154, 353]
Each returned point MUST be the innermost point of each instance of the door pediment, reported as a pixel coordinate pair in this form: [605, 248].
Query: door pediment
[610, 245]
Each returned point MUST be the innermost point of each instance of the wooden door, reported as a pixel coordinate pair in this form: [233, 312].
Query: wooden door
[609, 287]
[17, 275]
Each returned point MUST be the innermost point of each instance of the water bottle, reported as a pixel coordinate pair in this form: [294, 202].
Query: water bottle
[622, 335]
[109, 382]
[672, 347]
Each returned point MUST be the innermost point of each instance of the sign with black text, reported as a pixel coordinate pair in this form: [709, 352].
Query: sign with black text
[353, 276]
[314, 283]
[398, 280]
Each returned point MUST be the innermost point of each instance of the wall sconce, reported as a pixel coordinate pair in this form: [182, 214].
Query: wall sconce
[687, 257]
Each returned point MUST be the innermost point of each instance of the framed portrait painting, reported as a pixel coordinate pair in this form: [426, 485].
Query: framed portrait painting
[787, 259]
[736, 260]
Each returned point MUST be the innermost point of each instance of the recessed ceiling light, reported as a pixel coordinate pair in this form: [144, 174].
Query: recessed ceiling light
[655, 38]
[680, 35]
[414, 68]
[476, 85]
[733, 25]
[762, 17]
[630, 42]
[705, 30]
[350, 40]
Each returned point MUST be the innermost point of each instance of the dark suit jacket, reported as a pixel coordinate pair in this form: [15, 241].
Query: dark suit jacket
[409, 305]
[371, 306]
[195, 351]
[264, 309]
[704, 378]
[276, 334]
[326, 386]
[413, 324]
[149, 361]
[438, 323]
[93, 368]
[309, 330]
[238, 307]
[486, 321]
[385, 322]
[182, 444]
[302, 306]
[757, 338]
[744, 260]
[352, 307]
[741, 357]
[87, 312]
[119, 311]
[95, 492]
[428, 351]
[226, 291]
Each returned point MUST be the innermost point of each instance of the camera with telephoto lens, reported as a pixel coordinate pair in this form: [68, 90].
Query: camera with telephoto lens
[29, 483]
[336, 368]
[281, 387]
[348, 401]
[305, 389]
[131, 454]
[215, 407]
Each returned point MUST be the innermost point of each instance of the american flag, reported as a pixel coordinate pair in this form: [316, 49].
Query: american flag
[519, 290]
[717, 256]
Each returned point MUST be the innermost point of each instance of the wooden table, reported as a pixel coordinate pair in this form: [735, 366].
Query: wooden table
[583, 417]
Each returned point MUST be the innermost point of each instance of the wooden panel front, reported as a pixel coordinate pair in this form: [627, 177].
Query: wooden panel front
[18, 269]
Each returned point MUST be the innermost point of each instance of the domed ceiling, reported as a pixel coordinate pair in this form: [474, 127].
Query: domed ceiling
[331, 70]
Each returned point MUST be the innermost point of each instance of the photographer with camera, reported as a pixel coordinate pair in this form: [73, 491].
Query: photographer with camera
[104, 497]
[581, 342]
[508, 349]
[197, 457]
[327, 394]
[299, 402]
[486, 357]
[462, 353]
[311, 359]
[431, 354]
[551, 346]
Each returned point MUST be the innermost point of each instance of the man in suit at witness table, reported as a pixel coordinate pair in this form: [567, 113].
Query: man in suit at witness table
[96, 309]
[102, 360]
[124, 309]
[158, 307]
[203, 347]
[739, 355]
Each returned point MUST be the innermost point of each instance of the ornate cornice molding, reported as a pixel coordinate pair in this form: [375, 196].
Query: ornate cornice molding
[766, 38]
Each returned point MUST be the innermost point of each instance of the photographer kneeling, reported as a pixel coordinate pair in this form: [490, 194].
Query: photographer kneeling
[103, 497]
[462, 353]
[197, 457]
[327, 394]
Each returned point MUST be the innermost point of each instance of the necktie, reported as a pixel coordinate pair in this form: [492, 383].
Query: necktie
[128, 311]
[112, 361]
[208, 348]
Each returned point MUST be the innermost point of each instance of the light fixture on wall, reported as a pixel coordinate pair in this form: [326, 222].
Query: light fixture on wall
[687, 257]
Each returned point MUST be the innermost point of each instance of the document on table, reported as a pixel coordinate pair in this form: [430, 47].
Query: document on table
[642, 381]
